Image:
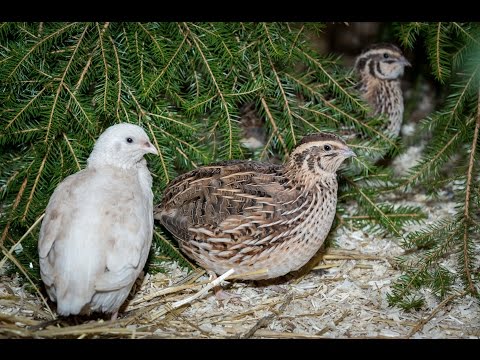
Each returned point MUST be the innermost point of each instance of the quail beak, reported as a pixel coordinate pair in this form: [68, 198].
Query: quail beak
[348, 153]
[149, 148]
[402, 60]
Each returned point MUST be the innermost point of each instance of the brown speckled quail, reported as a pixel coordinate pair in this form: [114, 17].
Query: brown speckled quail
[250, 215]
[380, 67]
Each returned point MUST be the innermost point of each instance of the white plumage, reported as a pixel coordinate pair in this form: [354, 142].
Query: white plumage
[98, 226]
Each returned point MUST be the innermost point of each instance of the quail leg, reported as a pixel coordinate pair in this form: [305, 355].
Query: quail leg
[114, 316]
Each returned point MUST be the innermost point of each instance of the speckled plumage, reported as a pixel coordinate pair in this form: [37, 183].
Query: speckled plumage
[380, 67]
[250, 215]
[97, 230]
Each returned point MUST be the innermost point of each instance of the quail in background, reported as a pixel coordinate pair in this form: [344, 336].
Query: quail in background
[98, 225]
[250, 216]
[380, 67]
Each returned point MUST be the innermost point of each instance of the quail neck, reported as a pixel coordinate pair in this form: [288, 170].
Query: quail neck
[316, 159]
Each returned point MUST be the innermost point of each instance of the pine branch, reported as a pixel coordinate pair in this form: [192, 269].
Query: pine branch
[71, 150]
[24, 272]
[462, 30]
[439, 40]
[14, 207]
[84, 112]
[466, 256]
[119, 71]
[424, 168]
[101, 33]
[437, 51]
[337, 110]
[408, 33]
[157, 146]
[84, 71]
[383, 218]
[391, 216]
[340, 88]
[265, 107]
[32, 191]
[185, 84]
[227, 50]
[15, 246]
[167, 66]
[25, 108]
[275, 130]
[219, 92]
[284, 97]
[61, 84]
[440, 306]
[158, 46]
[461, 98]
[36, 46]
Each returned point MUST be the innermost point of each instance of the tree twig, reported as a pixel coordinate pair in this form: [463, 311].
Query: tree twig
[466, 224]
[440, 306]
[263, 322]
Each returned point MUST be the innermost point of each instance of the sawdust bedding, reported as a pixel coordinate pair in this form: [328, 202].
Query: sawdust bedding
[343, 296]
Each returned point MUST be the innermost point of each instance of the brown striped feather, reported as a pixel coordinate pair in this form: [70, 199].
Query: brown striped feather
[251, 215]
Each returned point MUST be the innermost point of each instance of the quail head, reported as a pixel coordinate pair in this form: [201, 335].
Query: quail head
[98, 226]
[380, 67]
[253, 216]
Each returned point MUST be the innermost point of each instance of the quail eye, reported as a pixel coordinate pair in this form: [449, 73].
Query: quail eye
[129, 140]
[386, 56]
[327, 147]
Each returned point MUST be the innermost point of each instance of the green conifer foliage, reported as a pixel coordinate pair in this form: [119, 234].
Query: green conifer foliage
[62, 84]
[451, 157]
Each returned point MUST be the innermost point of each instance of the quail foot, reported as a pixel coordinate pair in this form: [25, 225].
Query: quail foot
[98, 225]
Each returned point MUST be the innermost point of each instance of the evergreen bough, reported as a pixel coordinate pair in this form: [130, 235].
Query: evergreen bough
[62, 84]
